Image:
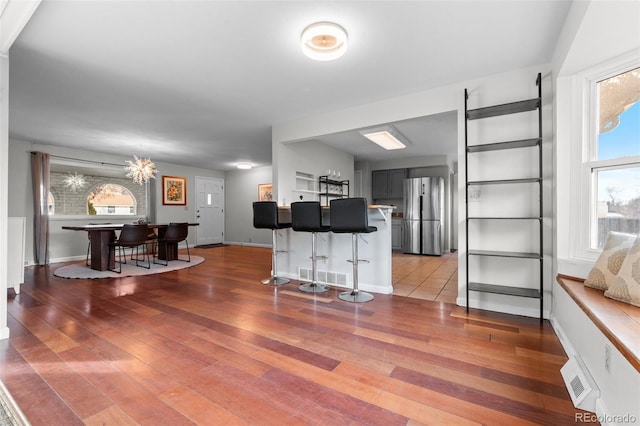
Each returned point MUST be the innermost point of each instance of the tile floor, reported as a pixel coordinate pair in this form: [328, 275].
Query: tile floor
[426, 277]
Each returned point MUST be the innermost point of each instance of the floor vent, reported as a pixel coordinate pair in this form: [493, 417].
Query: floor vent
[341, 279]
[331, 277]
[581, 386]
[304, 274]
[325, 277]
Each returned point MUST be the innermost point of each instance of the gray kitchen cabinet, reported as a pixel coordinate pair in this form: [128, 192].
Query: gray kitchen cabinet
[396, 235]
[379, 184]
[396, 177]
[387, 184]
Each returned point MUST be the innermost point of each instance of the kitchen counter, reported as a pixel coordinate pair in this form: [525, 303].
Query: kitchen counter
[375, 247]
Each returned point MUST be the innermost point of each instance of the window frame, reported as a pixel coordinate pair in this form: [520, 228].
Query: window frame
[109, 170]
[589, 164]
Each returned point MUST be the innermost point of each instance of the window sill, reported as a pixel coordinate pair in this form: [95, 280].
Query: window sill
[96, 218]
[619, 322]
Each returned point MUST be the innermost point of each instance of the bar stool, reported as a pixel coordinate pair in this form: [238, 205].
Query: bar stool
[306, 216]
[265, 216]
[349, 216]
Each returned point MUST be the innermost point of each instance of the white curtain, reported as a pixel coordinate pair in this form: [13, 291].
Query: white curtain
[40, 181]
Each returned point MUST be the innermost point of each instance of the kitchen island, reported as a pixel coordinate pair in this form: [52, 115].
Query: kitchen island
[375, 247]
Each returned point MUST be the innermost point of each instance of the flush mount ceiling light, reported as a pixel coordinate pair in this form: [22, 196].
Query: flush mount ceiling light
[141, 170]
[324, 41]
[244, 166]
[388, 137]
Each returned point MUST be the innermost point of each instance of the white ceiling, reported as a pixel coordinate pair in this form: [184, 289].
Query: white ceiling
[201, 82]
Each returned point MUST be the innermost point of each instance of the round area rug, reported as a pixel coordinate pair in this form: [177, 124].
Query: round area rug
[80, 270]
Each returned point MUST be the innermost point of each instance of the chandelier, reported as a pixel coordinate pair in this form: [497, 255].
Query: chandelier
[74, 181]
[141, 170]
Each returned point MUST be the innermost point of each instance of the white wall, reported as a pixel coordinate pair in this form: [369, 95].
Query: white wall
[365, 173]
[68, 245]
[241, 189]
[411, 162]
[498, 89]
[505, 87]
[394, 109]
[14, 16]
[595, 32]
[4, 191]
[619, 388]
[309, 157]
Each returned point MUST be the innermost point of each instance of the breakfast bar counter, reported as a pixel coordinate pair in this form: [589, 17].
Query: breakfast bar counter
[375, 247]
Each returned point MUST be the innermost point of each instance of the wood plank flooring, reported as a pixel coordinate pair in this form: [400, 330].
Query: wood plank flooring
[210, 345]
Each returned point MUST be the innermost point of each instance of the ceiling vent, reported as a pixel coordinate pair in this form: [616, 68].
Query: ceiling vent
[581, 386]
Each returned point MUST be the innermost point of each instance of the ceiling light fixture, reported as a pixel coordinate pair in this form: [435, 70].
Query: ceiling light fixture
[244, 166]
[324, 41]
[74, 181]
[388, 137]
[141, 170]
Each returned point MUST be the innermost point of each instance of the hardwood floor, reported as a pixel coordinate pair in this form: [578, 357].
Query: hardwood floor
[210, 345]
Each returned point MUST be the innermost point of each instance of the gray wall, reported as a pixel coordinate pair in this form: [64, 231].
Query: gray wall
[67, 245]
[241, 191]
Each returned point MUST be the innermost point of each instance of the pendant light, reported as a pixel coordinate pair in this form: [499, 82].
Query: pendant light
[141, 170]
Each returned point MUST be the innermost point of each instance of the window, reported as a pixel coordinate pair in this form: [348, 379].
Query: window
[613, 165]
[93, 190]
[51, 204]
[110, 199]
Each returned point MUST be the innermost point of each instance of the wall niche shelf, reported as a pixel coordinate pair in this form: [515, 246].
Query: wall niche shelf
[534, 288]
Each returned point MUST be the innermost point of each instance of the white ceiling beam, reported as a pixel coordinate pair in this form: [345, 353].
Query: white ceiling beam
[14, 15]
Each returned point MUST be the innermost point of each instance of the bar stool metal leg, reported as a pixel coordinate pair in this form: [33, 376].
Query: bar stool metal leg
[274, 279]
[314, 286]
[355, 295]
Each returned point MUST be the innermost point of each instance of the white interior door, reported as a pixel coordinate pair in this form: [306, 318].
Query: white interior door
[210, 210]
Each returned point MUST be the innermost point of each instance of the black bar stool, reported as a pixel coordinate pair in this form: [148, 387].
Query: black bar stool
[349, 216]
[306, 216]
[265, 216]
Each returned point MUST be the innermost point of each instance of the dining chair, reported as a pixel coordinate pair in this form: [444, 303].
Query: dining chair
[133, 237]
[173, 235]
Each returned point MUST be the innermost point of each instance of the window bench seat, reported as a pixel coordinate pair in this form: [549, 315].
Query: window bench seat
[619, 322]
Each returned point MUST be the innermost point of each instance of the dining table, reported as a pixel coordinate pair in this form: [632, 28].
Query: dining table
[102, 235]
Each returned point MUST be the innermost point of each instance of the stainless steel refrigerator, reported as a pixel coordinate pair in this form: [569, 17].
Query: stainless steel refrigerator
[423, 215]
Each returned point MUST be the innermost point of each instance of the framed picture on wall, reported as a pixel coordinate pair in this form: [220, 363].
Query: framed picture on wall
[265, 192]
[174, 190]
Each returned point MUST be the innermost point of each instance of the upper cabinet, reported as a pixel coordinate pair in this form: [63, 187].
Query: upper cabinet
[387, 184]
[379, 184]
